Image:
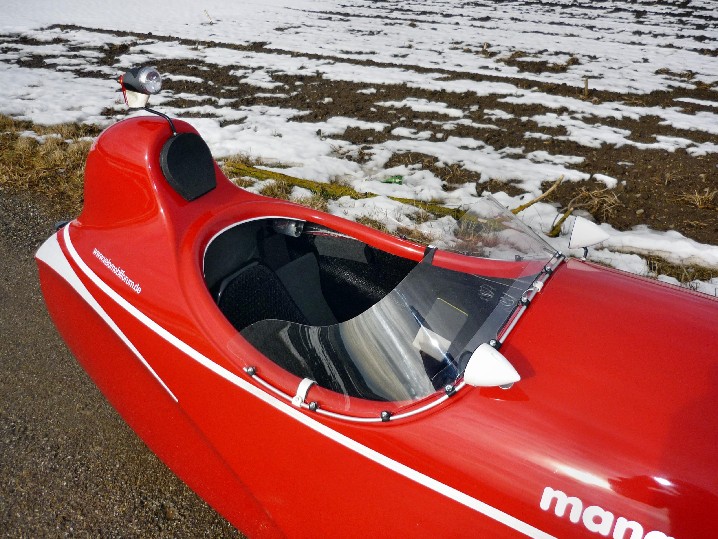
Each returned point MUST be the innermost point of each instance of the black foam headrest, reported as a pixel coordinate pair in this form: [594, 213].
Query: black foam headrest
[188, 165]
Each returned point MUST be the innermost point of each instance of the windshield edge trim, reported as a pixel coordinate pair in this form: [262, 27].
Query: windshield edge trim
[528, 296]
[382, 418]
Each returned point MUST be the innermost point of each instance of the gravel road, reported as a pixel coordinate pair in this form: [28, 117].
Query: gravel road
[69, 466]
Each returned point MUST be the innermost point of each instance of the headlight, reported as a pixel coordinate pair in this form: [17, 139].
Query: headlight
[150, 80]
[143, 80]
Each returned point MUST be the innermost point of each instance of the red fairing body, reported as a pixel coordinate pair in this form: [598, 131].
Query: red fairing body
[612, 430]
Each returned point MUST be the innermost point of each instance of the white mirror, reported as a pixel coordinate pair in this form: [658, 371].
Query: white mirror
[489, 368]
[584, 233]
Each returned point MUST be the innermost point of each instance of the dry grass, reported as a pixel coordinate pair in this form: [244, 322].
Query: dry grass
[474, 235]
[283, 190]
[66, 131]
[49, 161]
[335, 189]
[700, 200]
[686, 275]
[315, 201]
[277, 189]
[421, 216]
[46, 160]
[244, 159]
[410, 233]
[414, 234]
[603, 202]
[243, 182]
[373, 223]
[331, 191]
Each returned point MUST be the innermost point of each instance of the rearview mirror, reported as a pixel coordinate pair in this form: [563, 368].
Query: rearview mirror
[584, 234]
[488, 367]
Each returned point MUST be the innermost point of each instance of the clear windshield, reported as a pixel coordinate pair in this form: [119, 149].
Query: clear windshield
[488, 230]
[420, 336]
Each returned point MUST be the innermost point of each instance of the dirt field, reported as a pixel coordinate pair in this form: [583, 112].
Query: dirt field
[70, 467]
[659, 188]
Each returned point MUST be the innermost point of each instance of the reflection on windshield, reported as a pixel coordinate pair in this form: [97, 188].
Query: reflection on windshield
[488, 230]
[419, 337]
[413, 342]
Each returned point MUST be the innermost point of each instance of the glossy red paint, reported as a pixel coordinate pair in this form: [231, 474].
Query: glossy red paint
[616, 408]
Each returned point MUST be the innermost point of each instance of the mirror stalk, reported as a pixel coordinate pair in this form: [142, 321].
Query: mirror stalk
[169, 120]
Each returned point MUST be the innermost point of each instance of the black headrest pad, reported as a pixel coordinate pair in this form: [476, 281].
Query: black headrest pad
[188, 165]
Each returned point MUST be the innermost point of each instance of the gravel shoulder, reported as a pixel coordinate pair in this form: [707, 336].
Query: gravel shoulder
[69, 465]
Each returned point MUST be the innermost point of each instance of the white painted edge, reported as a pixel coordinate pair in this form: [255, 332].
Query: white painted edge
[351, 444]
[51, 254]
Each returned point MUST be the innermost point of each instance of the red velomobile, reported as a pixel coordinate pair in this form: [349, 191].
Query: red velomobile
[309, 376]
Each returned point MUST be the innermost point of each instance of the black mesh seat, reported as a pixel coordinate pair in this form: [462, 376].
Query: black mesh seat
[255, 293]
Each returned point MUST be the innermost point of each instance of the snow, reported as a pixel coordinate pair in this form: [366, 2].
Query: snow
[423, 105]
[670, 245]
[48, 96]
[608, 180]
[701, 102]
[426, 45]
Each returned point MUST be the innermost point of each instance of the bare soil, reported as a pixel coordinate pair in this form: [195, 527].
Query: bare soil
[69, 466]
[662, 189]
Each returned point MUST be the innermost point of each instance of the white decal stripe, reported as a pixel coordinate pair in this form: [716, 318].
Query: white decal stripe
[349, 443]
[51, 254]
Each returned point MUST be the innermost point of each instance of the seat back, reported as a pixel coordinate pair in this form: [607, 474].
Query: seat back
[253, 293]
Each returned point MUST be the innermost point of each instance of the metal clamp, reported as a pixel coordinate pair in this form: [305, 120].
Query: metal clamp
[302, 390]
